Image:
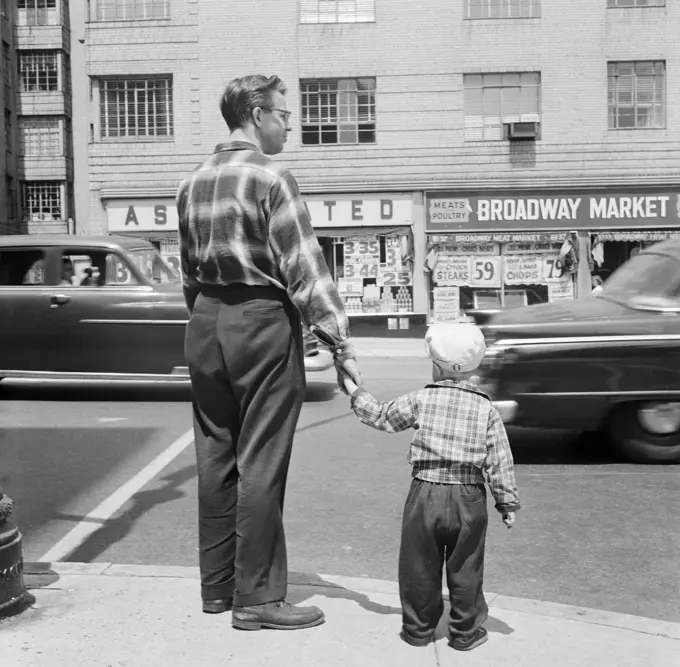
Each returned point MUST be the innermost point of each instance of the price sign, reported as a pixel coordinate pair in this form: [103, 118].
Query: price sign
[452, 270]
[359, 250]
[561, 290]
[485, 271]
[523, 269]
[173, 260]
[389, 278]
[553, 269]
[359, 271]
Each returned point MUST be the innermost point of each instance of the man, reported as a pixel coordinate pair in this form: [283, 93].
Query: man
[67, 272]
[251, 266]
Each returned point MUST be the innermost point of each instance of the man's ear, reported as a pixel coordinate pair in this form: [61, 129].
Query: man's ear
[256, 116]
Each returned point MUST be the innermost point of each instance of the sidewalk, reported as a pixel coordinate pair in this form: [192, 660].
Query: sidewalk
[103, 615]
[389, 347]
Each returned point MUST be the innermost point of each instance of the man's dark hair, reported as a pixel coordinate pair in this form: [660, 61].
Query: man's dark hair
[243, 94]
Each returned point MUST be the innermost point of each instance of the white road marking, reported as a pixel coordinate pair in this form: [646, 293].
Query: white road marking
[106, 509]
[107, 420]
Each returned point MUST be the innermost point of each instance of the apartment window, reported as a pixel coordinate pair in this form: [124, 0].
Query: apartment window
[494, 101]
[136, 108]
[502, 9]
[131, 10]
[6, 71]
[8, 130]
[636, 3]
[40, 137]
[37, 12]
[42, 201]
[337, 11]
[39, 71]
[338, 111]
[636, 92]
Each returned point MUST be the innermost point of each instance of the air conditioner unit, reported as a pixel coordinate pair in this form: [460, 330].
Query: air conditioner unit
[519, 131]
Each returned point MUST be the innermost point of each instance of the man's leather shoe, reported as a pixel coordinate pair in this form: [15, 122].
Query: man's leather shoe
[279, 615]
[217, 606]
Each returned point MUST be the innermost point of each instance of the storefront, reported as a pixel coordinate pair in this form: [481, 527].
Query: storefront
[488, 252]
[369, 241]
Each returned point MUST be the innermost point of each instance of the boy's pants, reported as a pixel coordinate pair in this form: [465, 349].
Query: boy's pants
[244, 351]
[443, 524]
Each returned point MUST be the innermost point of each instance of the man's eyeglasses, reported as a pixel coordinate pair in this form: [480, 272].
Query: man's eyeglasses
[286, 114]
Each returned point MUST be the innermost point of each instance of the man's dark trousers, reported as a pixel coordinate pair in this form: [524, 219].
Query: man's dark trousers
[443, 525]
[245, 355]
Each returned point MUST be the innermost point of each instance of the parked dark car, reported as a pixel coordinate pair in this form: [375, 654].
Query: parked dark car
[102, 308]
[610, 362]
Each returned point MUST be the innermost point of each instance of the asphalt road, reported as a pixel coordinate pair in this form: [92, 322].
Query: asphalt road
[594, 531]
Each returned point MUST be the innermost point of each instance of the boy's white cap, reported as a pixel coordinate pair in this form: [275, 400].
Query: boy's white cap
[459, 347]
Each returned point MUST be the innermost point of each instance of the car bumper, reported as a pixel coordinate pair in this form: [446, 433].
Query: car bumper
[506, 409]
[320, 361]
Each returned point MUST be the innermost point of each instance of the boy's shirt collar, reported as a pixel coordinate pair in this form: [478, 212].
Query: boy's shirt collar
[465, 385]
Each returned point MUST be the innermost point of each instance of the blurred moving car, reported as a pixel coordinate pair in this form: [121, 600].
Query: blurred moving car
[610, 362]
[97, 308]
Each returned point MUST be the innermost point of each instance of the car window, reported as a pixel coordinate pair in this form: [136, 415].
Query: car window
[647, 274]
[22, 267]
[94, 268]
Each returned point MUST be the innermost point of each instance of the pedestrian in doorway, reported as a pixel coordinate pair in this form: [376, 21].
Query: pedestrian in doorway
[252, 270]
[459, 438]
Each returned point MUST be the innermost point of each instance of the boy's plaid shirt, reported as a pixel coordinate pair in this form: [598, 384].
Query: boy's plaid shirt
[242, 220]
[458, 436]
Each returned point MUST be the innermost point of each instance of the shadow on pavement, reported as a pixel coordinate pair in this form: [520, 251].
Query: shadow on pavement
[316, 585]
[115, 529]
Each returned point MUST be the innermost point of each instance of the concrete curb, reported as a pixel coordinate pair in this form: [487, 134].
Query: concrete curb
[637, 624]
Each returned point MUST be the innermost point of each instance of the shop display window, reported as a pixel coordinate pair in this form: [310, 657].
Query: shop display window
[491, 276]
[373, 272]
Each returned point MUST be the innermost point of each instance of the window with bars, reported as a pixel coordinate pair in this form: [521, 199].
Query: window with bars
[37, 12]
[131, 10]
[138, 109]
[635, 3]
[636, 94]
[42, 201]
[502, 9]
[338, 111]
[39, 71]
[337, 11]
[40, 137]
[494, 101]
[6, 70]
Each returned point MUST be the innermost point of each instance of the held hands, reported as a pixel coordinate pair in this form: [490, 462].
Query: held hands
[509, 519]
[349, 377]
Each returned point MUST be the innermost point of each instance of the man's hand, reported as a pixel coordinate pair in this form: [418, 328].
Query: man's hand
[348, 370]
[509, 519]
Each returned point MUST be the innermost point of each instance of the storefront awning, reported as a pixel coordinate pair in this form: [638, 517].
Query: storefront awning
[344, 232]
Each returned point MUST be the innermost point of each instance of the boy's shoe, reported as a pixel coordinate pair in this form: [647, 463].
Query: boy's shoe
[416, 641]
[468, 643]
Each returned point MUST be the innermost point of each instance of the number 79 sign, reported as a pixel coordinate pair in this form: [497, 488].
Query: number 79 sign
[485, 271]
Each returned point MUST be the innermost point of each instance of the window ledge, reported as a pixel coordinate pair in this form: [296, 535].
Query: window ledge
[503, 18]
[122, 140]
[142, 23]
[636, 129]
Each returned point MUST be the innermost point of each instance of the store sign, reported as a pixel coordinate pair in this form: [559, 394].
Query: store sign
[560, 291]
[485, 271]
[449, 212]
[523, 269]
[452, 270]
[360, 211]
[141, 215]
[390, 278]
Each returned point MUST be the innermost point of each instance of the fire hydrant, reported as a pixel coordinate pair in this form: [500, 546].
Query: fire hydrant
[13, 594]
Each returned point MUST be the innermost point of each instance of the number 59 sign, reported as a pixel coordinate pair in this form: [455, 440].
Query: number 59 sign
[485, 271]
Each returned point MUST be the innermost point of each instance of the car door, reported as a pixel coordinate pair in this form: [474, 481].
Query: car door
[100, 317]
[24, 306]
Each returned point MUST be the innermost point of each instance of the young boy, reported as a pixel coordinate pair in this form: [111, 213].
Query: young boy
[458, 436]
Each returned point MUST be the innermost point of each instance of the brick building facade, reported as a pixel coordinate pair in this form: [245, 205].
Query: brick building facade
[462, 154]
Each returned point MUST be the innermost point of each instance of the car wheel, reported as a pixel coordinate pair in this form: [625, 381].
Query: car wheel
[647, 432]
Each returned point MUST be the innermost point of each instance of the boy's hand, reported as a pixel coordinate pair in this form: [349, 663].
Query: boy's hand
[349, 384]
[509, 519]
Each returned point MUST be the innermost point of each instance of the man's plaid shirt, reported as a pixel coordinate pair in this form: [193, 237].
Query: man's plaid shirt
[459, 435]
[242, 220]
